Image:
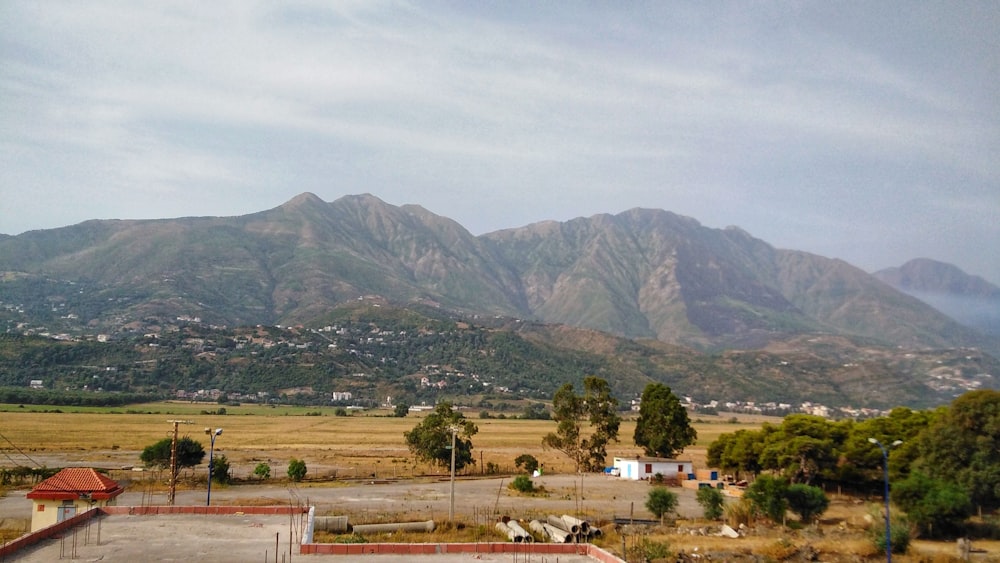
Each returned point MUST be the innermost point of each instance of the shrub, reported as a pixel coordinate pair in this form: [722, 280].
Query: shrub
[220, 469]
[899, 530]
[933, 505]
[767, 495]
[526, 461]
[492, 468]
[807, 501]
[711, 501]
[661, 501]
[262, 471]
[741, 512]
[296, 469]
[648, 550]
[522, 484]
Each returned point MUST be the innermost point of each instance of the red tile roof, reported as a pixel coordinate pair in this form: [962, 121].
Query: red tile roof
[74, 482]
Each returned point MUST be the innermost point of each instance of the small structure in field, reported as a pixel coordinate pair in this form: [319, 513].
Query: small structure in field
[69, 492]
[641, 468]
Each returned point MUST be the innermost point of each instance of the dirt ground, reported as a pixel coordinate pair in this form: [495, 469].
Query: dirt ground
[478, 501]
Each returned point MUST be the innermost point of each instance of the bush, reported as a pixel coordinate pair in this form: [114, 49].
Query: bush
[661, 501]
[648, 550]
[296, 469]
[220, 469]
[807, 501]
[767, 494]
[711, 501]
[741, 512]
[522, 484]
[933, 505]
[899, 530]
[526, 461]
[262, 471]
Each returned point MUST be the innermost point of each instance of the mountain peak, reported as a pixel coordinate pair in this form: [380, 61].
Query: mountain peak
[302, 200]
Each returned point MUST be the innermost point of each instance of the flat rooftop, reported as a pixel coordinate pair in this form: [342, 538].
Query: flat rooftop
[222, 538]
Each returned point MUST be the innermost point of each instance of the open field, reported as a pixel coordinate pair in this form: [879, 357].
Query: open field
[361, 444]
[390, 485]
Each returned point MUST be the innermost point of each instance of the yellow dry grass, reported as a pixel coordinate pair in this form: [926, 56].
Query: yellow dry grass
[252, 433]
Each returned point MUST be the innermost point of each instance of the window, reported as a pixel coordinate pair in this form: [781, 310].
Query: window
[41, 508]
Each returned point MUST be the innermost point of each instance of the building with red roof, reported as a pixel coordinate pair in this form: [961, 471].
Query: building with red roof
[69, 492]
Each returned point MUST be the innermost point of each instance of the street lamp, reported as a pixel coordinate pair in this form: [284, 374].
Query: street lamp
[451, 511]
[885, 468]
[211, 458]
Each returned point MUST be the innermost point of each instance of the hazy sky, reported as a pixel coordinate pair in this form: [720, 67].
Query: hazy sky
[868, 131]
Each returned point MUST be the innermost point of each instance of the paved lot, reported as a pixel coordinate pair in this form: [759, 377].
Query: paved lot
[252, 538]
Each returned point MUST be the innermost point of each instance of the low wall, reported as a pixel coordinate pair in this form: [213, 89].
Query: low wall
[588, 550]
[31, 539]
[457, 548]
[207, 510]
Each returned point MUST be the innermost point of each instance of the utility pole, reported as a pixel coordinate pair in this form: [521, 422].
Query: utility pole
[172, 494]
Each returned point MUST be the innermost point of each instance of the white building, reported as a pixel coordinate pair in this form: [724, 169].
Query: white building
[640, 467]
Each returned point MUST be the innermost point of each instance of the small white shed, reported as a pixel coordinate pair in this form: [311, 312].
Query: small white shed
[639, 467]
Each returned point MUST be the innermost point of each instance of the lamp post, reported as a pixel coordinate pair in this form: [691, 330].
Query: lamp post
[451, 510]
[211, 459]
[885, 469]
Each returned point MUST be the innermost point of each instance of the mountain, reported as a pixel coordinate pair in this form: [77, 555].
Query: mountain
[969, 299]
[639, 274]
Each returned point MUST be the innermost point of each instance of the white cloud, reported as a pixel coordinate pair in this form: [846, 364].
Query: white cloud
[731, 115]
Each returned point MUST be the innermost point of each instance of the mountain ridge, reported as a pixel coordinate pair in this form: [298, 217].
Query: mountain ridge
[642, 273]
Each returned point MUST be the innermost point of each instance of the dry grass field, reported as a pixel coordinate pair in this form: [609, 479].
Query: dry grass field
[360, 444]
[371, 444]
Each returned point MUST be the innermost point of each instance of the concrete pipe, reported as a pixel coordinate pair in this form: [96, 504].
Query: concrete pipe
[580, 525]
[362, 529]
[509, 532]
[332, 524]
[516, 526]
[557, 535]
[561, 524]
[538, 528]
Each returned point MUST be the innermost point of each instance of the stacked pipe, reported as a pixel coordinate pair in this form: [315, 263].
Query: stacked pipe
[569, 529]
[513, 531]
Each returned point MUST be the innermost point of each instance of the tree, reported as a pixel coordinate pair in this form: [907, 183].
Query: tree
[189, 453]
[401, 410]
[262, 471]
[767, 496]
[807, 501]
[220, 469]
[535, 411]
[431, 440]
[527, 461]
[739, 451]
[962, 446]
[935, 506]
[661, 502]
[711, 501]
[599, 408]
[804, 447]
[296, 469]
[663, 428]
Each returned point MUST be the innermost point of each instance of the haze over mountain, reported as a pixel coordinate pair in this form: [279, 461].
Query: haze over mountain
[969, 299]
[642, 273]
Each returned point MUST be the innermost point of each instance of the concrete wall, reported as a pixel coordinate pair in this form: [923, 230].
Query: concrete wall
[45, 513]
